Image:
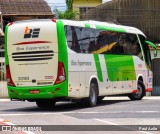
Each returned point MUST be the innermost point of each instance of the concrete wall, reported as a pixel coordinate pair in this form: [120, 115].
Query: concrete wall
[3, 89]
[3, 83]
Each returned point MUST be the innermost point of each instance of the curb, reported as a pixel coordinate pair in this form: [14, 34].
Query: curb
[126, 98]
[4, 100]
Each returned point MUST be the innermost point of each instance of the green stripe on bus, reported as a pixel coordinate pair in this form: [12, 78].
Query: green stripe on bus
[62, 55]
[120, 67]
[87, 25]
[110, 28]
[6, 50]
[98, 67]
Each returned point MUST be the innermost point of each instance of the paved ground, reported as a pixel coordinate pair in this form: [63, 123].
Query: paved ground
[113, 111]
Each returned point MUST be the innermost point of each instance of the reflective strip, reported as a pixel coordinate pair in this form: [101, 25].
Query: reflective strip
[135, 91]
[148, 90]
[98, 67]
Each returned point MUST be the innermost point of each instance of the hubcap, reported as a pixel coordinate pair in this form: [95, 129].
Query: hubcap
[93, 95]
[139, 92]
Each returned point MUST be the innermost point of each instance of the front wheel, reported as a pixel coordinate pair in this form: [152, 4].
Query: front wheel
[92, 100]
[45, 103]
[140, 92]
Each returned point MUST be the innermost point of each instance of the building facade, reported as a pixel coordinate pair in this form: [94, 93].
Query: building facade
[15, 10]
[81, 6]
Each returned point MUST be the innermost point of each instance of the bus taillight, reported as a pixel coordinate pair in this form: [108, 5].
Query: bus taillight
[8, 76]
[60, 74]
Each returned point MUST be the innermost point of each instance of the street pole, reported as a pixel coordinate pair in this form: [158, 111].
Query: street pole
[1, 21]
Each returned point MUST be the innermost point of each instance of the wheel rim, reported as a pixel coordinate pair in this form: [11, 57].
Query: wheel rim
[93, 95]
[139, 90]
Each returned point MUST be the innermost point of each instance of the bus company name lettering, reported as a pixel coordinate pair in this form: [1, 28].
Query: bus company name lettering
[32, 48]
[80, 63]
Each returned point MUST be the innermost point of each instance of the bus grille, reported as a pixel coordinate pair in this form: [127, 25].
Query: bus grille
[33, 55]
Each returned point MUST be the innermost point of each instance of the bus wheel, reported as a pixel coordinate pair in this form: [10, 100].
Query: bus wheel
[140, 92]
[92, 100]
[45, 103]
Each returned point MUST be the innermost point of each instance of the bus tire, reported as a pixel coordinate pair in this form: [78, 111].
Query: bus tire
[92, 100]
[45, 103]
[140, 93]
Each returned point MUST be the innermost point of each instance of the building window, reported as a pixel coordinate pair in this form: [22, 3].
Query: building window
[84, 9]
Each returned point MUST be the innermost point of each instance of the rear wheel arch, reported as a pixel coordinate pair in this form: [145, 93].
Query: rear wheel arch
[140, 78]
[140, 91]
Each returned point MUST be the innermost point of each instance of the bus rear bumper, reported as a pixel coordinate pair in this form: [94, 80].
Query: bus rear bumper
[39, 92]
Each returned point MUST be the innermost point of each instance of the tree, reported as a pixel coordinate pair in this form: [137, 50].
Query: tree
[68, 14]
[69, 4]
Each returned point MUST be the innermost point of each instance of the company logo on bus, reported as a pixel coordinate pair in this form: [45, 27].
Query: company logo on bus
[31, 33]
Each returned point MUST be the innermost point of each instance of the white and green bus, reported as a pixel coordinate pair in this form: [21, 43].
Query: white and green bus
[51, 60]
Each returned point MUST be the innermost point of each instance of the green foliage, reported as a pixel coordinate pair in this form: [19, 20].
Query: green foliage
[68, 14]
[69, 4]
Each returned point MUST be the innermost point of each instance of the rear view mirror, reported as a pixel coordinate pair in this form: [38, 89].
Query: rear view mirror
[154, 46]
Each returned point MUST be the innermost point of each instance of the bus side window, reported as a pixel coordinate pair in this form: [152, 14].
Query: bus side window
[73, 35]
[68, 32]
[76, 37]
[116, 47]
[123, 40]
[131, 45]
[92, 47]
[108, 43]
[84, 40]
[92, 44]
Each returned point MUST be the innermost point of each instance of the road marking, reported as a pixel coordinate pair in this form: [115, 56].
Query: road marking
[126, 98]
[96, 112]
[112, 123]
[108, 122]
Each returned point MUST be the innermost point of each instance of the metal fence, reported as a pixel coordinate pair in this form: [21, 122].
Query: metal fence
[143, 14]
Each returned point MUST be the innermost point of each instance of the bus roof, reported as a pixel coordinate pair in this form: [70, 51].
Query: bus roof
[105, 26]
[95, 24]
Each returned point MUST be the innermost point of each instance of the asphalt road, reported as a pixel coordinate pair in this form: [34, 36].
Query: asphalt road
[113, 113]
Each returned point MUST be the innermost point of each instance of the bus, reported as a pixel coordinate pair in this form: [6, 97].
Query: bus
[52, 60]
